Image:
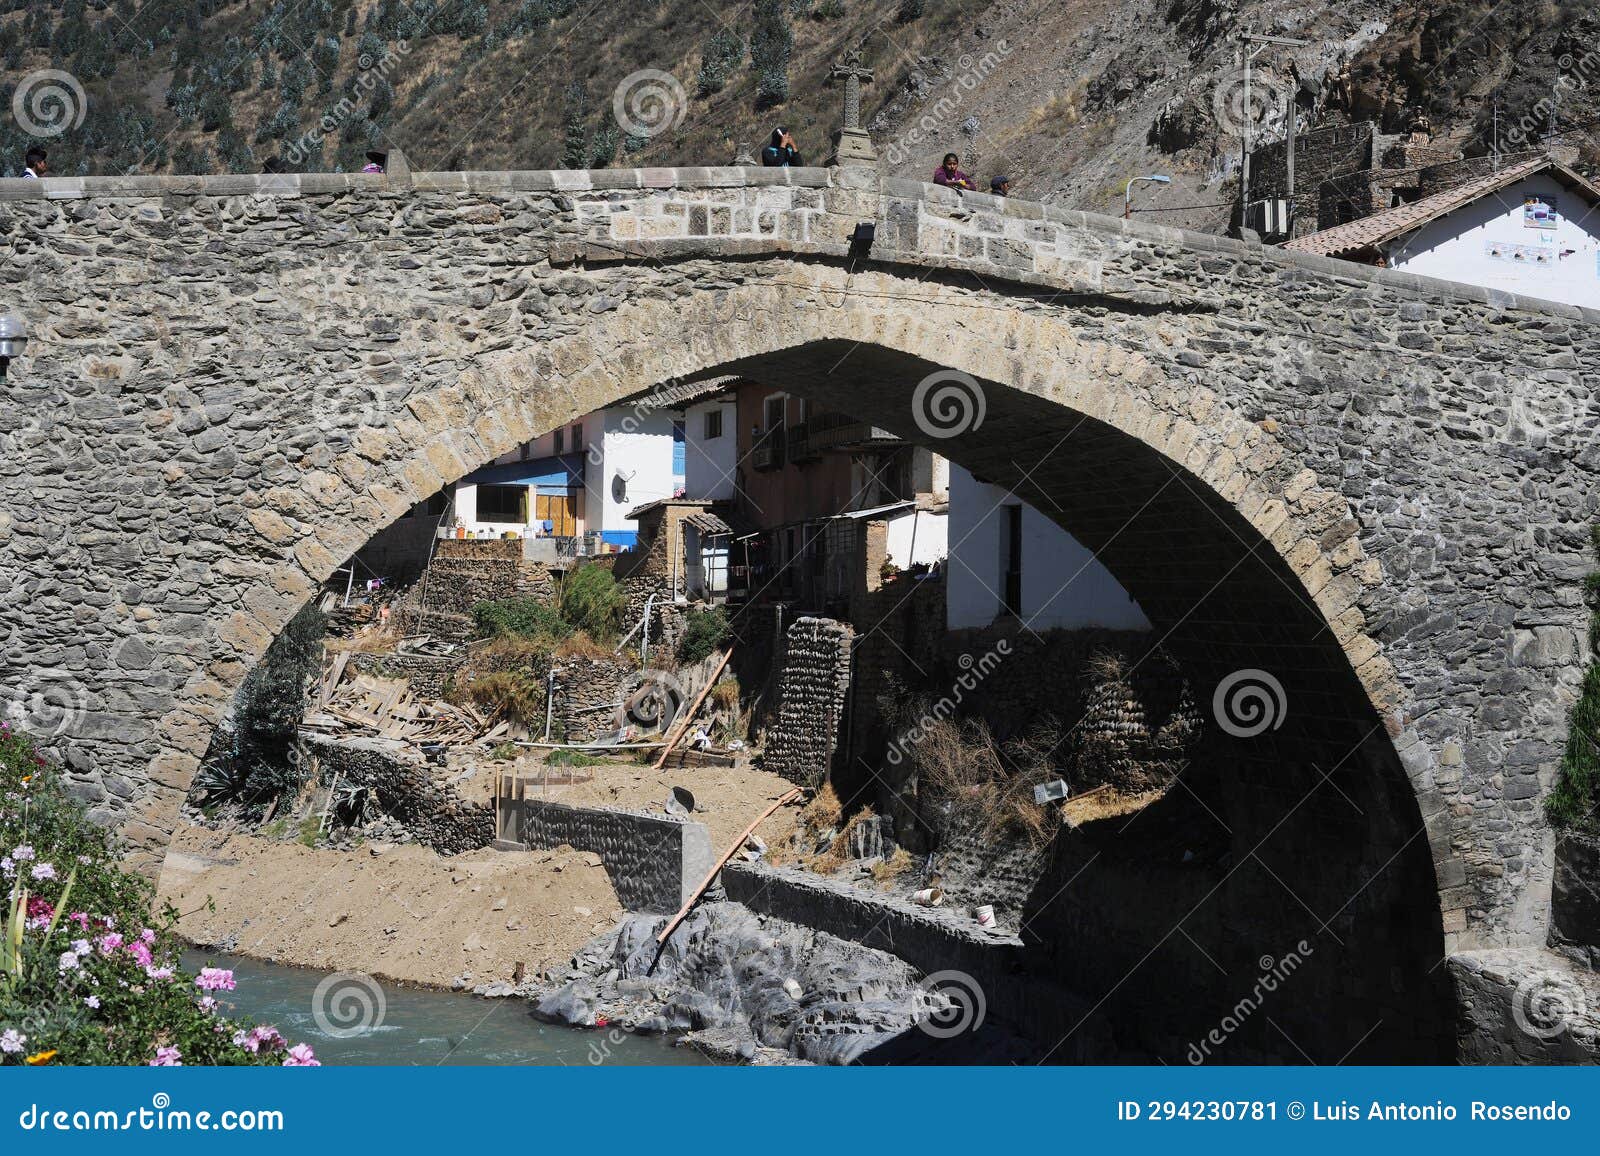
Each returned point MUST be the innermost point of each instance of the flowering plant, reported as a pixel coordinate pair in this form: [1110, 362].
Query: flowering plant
[87, 976]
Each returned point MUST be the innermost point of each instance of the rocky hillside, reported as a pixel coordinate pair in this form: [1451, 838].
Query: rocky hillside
[1070, 97]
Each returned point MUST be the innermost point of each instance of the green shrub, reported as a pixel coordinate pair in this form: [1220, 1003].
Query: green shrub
[1575, 799]
[770, 46]
[719, 56]
[592, 600]
[86, 975]
[520, 618]
[703, 635]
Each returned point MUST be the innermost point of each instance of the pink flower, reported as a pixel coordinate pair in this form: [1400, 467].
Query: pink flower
[147, 935]
[167, 1058]
[257, 1039]
[158, 972]
[79, 917]
[141, 952]
[207, 1003]
[214, 979]
[109, 943]
[301, 1056]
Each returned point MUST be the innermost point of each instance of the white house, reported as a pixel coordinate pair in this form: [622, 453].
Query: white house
[712, 447]
[1006, 559]
[1529, 229]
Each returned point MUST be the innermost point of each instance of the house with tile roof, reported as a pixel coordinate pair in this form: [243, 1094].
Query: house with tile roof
[1530, 228]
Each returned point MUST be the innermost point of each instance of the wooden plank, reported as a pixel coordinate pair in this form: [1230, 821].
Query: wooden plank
[335, 674]
[688, 719]
[672, 924]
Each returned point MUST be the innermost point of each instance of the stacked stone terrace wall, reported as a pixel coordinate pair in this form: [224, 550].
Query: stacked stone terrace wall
[813, 689]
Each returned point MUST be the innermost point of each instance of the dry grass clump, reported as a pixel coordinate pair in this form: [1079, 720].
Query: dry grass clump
[982, 786]
[579, 644]
[886, 872]
[725, 694]
[509, 695]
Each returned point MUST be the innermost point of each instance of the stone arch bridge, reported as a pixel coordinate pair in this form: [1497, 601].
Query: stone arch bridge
[1374, 487]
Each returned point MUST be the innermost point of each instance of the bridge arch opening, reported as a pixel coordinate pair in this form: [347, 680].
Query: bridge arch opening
[1240, 556]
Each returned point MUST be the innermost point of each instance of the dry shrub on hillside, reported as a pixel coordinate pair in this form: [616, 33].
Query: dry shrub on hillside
[502, 694]
[973, 783]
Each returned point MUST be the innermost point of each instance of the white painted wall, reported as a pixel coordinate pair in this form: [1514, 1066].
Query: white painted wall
[1456, 246]
[637, 449]
[1063, 586]
[918, 536]
[710, 464]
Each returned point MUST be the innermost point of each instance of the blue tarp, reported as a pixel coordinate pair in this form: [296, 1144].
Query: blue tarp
[553, 475]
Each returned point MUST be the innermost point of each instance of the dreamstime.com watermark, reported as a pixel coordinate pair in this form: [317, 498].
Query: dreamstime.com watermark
[1575, 74]
[651, 701]
[1273, 973]
[160, 1116]
[955, 1002]
[974, 671]
[359, 96]
[948, 403]
[348, 1003]
[1546, 1004]
[648, 103]
[48, 102]
[936, 118]
[1248, 109]
[1248, 703]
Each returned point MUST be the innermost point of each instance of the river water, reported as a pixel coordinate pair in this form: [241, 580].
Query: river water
[420, 1026]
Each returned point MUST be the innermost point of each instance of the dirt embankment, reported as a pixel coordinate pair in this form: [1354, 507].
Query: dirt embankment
[397, 912]
[404, 912]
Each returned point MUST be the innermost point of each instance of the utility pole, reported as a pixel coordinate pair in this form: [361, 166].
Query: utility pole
[1288, 169]
[1260, 41]
[1494, 135]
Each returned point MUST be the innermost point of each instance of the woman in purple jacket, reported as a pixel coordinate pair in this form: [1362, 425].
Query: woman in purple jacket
[950, 174]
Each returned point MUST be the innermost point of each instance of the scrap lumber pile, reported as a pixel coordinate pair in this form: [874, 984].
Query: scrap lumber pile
[365, 704]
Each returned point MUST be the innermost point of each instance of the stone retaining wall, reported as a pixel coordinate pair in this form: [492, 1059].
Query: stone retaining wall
[406, 790]
[654, 861]
[427, 674]
[1575, 902]
[932, 940]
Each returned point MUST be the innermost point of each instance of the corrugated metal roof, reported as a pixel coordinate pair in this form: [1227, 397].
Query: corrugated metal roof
[681, 393]
[1370, 232]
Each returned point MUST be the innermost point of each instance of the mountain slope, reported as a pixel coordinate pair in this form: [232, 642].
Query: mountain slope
[1070, 97]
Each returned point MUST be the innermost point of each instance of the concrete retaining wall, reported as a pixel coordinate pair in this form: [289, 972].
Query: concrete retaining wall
[654, 861]
[930, 939]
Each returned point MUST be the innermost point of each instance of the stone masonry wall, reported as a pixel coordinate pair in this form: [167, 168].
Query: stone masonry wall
[1377, 484]
[426, 674]
[813, 689]
[436, 815]
[654, 861]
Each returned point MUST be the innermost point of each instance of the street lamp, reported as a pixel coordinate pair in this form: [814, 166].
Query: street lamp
[13, 340]
[1127, 191]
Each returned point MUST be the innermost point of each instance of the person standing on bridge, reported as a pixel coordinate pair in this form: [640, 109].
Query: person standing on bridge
[780, 151]
[376, 163]
[949, 174]
[37, 165]
[1000, 187]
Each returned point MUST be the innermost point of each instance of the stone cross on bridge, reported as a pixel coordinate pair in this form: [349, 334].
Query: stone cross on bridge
[855, 145]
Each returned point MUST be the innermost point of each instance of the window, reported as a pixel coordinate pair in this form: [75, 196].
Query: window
[713, 423]
[773, 409]
[504, 504]
[678, 449]
[577, 436]
[1011, 560]
[561, 441]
